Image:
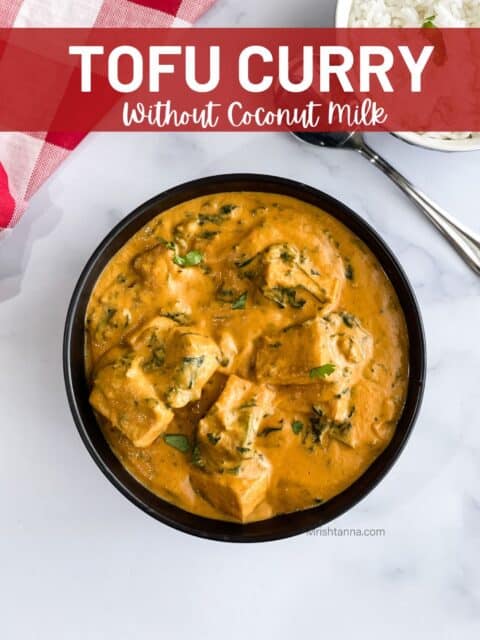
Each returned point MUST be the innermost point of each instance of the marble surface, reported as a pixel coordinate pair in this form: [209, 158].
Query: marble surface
[78, 561]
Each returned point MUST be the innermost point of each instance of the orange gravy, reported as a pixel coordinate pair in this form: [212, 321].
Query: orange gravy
[247, 356]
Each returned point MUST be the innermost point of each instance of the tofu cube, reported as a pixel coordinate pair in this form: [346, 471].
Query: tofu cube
[191, 360]
[123, 394]
[178, 360]
[289, 356]
[287, 273]
[155, 330]
[297, 354]
[157, 268]
[346, 433]
[154, 264]
[238, 492]
[227, 433]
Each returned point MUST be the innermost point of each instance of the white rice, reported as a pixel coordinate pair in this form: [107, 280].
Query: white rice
[413, 13]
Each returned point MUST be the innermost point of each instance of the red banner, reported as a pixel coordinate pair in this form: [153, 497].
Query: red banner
[74, 80]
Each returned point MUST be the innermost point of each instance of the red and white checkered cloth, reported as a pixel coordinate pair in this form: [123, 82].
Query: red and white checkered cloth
[27, 160]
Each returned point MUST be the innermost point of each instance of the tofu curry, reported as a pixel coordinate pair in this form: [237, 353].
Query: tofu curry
[247, 356]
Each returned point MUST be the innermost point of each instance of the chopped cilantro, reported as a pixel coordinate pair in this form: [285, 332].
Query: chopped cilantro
[322, 371]
[244, 262]
[243, 449]
[297, 426]
[234, 471]
[177, 441]
[240, 302]
[197, 457]
[429, 23]
[268, 430]
[349, 273]
[196, 361]
[207, 235]
[348, 319]
[227, 208]
[226, 295]
[191, 259]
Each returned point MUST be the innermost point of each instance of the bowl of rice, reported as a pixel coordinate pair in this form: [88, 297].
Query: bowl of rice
[417, 13]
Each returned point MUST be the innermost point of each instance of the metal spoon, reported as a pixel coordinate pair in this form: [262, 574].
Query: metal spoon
[465, 242]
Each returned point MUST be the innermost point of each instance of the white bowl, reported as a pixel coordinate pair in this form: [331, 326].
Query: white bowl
[342, 17]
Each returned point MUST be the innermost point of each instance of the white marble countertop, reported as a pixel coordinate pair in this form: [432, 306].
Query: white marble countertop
[78, 561]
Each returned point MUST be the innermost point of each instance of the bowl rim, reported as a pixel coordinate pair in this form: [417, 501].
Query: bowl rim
[278, 527]
[342, 14]
[438, 144]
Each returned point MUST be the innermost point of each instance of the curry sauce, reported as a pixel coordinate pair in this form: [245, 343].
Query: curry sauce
[247, 356]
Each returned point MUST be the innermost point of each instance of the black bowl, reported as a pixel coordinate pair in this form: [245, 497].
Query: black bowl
[78, 392]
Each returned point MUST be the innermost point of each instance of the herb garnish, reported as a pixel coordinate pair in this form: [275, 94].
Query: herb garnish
[105, 321]
[226, 295]
[216, 218]
[349, 273]
[284, 296]
[297, 426]
[232, 470]
[243, 449]
[191, 259]
[197, 361]
[320, 424]
[286, 256]
[265, 432]
[177, 441]
[167, 243]
[157, 359]
[244, 262]
[429, 23]
[322, 371]
[110, 312]
[292, 299]
[181, 318]
[124, 361]
[197, 457]
[213, 218]
[240, 302]
[250, 403]
[348, 319]
[207, 235]
[227, 208]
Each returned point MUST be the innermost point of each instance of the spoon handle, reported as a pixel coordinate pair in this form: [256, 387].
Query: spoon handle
[465, 242]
